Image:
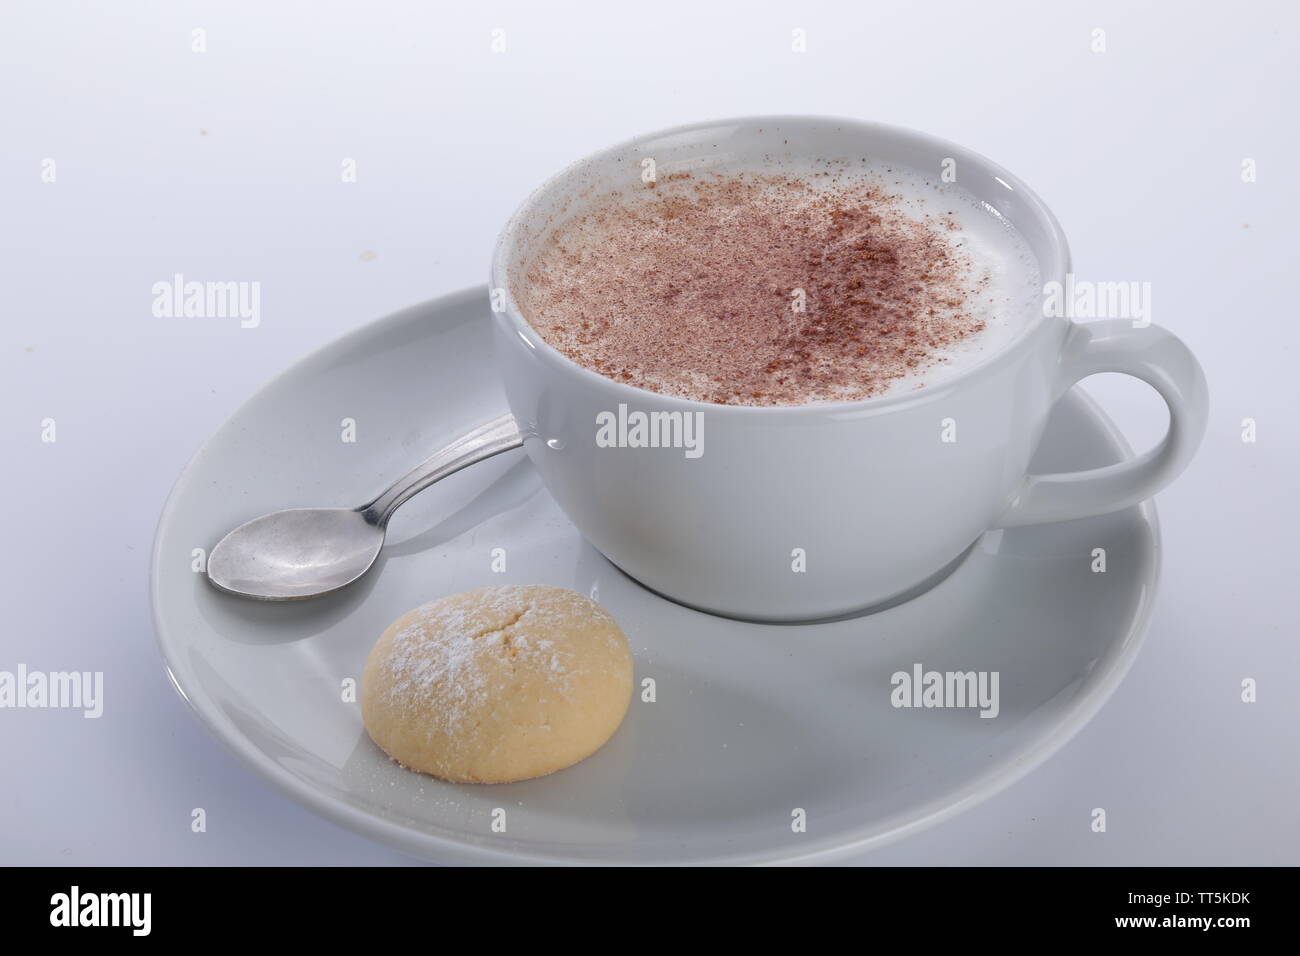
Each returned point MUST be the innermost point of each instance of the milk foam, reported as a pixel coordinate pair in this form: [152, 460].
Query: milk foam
[1009, 302]
[1002, 278]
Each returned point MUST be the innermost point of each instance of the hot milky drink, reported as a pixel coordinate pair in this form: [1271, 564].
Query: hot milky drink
[832, 283]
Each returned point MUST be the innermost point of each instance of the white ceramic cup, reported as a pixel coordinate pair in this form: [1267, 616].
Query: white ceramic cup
[865, 495]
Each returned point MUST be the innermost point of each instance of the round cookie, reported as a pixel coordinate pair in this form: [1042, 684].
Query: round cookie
[497, 684]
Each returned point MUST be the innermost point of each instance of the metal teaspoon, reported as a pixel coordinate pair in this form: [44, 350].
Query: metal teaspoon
[307, 552]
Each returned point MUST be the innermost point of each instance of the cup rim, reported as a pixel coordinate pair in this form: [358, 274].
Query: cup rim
[1054, 261]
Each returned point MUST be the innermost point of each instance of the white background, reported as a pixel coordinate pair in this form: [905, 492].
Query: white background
[226, 165]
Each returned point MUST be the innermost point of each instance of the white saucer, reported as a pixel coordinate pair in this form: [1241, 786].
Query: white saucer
[750, 721]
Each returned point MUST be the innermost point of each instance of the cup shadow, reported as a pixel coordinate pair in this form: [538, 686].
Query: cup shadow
[902, 598]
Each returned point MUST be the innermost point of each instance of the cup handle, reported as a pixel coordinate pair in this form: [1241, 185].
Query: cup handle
[1160, 359]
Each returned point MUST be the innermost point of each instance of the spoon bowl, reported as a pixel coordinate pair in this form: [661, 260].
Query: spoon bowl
[295, 554]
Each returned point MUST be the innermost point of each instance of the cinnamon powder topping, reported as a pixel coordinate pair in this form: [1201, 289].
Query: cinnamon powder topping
[750, 289]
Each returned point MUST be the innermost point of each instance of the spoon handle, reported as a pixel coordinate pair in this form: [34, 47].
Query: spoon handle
[491, 438]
